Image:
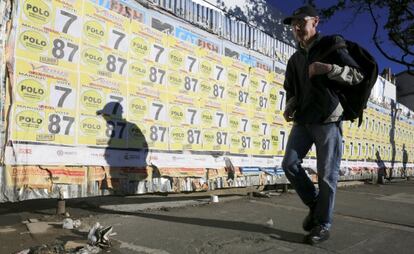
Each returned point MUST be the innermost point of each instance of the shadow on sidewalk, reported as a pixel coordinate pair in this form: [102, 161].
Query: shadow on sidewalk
[222, 224]
[47, 206]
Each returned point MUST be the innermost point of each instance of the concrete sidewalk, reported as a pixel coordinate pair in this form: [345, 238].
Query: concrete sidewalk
[368, 219]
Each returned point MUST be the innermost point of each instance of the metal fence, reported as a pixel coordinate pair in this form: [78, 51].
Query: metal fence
[227, 27]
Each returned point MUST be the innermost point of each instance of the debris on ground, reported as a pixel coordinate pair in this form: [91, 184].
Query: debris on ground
[89, 249]
[7, 229]
[68, 223]
[26, 251]
[214, 199]
[58, 247]
[73, 245]
[98, 238]
[31, 220]
[38, 227]
[99, 235]
[55, 248]
[269, 223]
[260, 194]
[77, 223]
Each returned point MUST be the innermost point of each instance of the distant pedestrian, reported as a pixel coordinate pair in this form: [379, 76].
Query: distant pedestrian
[314, 107]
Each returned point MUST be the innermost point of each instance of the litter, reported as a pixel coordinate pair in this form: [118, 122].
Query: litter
[214, 199]
[99, 235]
[77, 223]
[89, 249]
[261, 194]
[26, 251]
[67, 223]
[269, 223]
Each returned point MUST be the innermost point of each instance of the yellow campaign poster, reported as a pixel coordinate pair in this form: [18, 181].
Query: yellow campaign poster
[260, 102]
[238, 75]
[260, 91]
[92, 131]
[181, 83]
[155, 121]
[238, 143]
[29, 123]
[240, 119]
[259, 81]
[103, 62]
[49, 32]
[185, 119]
[183, 64]
[94, 29]
[238, 96]
[276, 100]
[237, 83]
[214, 121]
[261, 133]
[255, 145]
[260, 122]
[148, 56]
[104, 42]
[98, 93]
[138, 103]
[45, 103]
[274, 139]
[213, 72]
[179, 53]
[215, 140]
[185, 138]
[269, 145]
[283, 133]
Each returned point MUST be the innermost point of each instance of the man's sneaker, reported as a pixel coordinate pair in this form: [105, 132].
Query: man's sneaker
[317, 235]
[309, 221]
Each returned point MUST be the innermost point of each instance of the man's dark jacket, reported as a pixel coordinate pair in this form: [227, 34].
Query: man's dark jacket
[316, 98]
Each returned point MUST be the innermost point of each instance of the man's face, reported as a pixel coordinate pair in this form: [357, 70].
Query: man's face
[304, 29]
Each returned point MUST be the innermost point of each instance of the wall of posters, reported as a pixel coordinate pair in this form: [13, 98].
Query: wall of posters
[115, 91]
[155, 75]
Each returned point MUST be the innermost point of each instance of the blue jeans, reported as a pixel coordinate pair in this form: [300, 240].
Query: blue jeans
[328, 142]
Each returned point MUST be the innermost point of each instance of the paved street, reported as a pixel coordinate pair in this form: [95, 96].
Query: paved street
[368, 219]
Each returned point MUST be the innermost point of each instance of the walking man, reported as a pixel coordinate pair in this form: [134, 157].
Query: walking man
[315, 109]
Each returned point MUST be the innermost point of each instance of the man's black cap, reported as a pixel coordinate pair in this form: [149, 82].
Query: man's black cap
[300, 13]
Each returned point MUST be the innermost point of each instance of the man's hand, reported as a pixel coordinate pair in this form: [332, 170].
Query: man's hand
[290, 109]
[318, 68]
[288, 115]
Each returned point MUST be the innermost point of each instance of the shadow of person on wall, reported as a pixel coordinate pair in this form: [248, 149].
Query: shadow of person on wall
[126, 153]
[381, 168]
[394, 115]
[404, 162]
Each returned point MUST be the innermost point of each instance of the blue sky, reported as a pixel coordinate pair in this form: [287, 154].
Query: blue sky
[360, 30]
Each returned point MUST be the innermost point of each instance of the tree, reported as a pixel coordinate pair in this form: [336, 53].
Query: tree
[399, 25]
